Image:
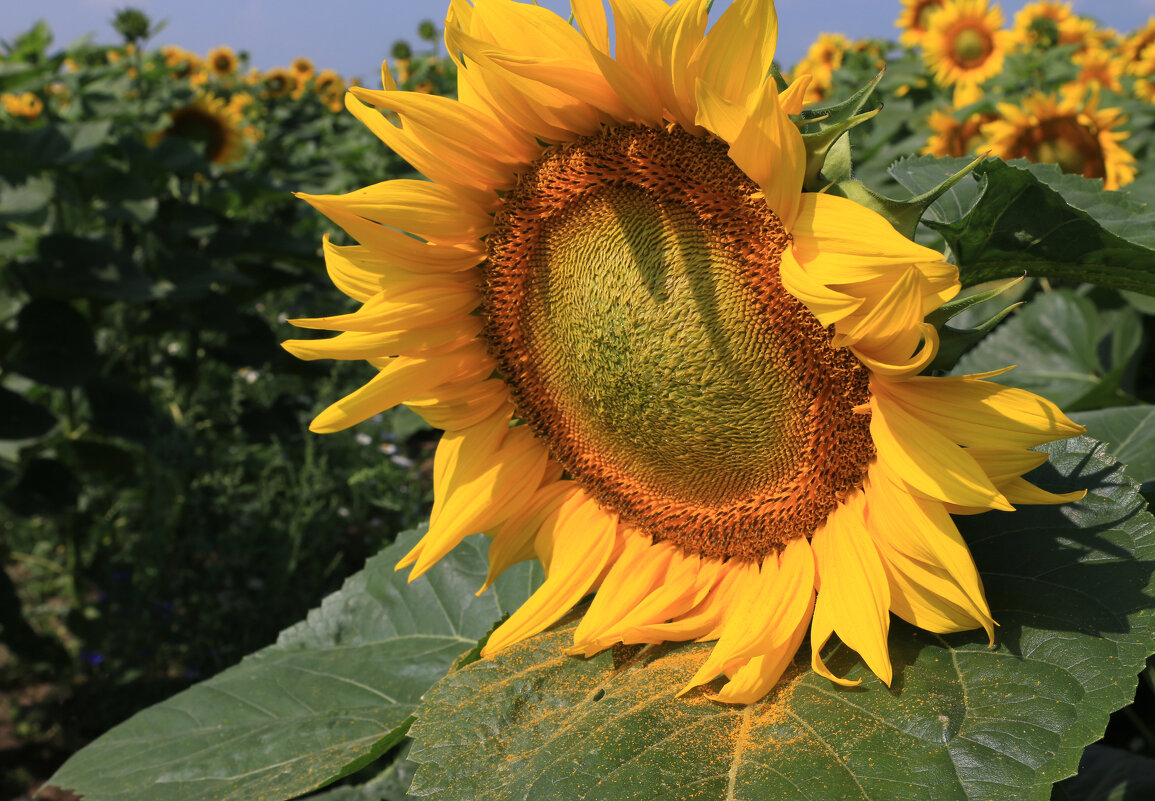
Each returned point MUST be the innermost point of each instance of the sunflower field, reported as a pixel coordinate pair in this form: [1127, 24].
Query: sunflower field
[603, 410]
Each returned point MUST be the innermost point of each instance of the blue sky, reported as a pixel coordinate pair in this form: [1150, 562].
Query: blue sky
[352, 36]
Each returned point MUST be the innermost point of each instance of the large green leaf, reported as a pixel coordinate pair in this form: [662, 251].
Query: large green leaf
[1064, 348]
[1033, 219]
[1070, 586]
[335, 691]
[1129, 434]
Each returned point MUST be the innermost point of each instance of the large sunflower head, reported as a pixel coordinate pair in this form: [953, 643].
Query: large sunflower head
[684, 384]
[965, 45]
[1069, 130]
[912, 20]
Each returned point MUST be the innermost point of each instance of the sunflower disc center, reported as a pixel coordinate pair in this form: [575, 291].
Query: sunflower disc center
[634, 304]
[971, 46]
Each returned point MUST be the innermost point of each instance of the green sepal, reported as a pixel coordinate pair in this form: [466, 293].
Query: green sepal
[904, 215]
[954, 342]
[824, 136]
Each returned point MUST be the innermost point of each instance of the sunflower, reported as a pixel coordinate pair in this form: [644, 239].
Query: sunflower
[1098, 68]
[330, 88]
[278, 82]
[964, 45]
[184, 64]
[303, 70]
[222, 61]
[1144, 87]
[913, 18]
[1070, 131]
[25, 104]
[664, 370]
[1046, 23]
[208, 120]
[953, 138]
[822, 58]
[1134, 50]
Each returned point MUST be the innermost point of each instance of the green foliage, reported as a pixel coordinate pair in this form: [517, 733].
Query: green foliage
[1066, 348]
[163, 509]
[1034, 220]
[962, 720]
[334, 693]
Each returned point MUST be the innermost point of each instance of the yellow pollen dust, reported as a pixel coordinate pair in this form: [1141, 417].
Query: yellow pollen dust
[633, 302]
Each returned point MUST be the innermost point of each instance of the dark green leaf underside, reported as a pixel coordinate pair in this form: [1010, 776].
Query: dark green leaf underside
[1070, 587]
[335, 691]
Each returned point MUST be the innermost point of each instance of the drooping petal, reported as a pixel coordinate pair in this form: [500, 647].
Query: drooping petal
[854, 596]
[926, 459]
[581, 538]
[396, 381]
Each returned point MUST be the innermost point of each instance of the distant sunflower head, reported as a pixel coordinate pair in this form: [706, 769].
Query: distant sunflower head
[824, 56]
[1136, 52]
[278, 82]
[955, 138]
[183, 64]
[1099, 69]
[965, 45]
[663, 369]
[330, 88]
[912, 20]
[302, 68]
[1047, 23]
[1069, 130]
[26, 105]
[208, 121]
[222, 61]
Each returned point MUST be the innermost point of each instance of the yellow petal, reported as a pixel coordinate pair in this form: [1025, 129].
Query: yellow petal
[583, 541]
[513, 539]
[780, 603]
[401, 377]
[460, 404]
[910, 530]
[423, 303]
[389, 250]
[385, 344]
[717, 595]
[840, 242]
[433, 212]
[487, 486]
[926, 459]
[854, 599]
[827, 304]
[672, 43]
[590, 16]
[1020, 490]
[735, 57]
[983, 414]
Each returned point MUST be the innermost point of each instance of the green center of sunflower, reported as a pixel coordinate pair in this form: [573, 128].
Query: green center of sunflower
[634, 305]
[971, 46]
